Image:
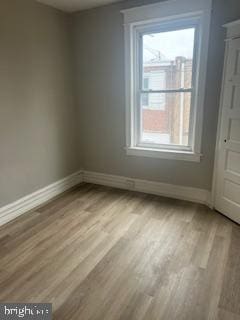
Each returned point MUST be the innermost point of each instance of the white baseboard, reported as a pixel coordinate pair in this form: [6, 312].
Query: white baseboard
[157, 188]
[29, 202]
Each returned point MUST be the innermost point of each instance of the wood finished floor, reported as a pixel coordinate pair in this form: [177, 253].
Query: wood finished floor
[99, 253]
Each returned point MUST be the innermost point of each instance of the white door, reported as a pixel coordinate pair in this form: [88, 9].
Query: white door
[227, 198]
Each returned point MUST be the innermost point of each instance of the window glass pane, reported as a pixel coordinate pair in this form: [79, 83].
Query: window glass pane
[156, 101]
[145, 83]
[166, 118]
[168, 59]
[145, 100]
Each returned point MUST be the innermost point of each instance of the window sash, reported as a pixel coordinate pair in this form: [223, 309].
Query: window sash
[168, 91]
[138, 130]
[166, 27]
[139, 75]
[159, 146]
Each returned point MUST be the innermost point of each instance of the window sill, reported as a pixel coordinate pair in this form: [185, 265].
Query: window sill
[164, 154]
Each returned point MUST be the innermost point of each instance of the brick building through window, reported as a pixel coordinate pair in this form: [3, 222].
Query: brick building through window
[166, 116]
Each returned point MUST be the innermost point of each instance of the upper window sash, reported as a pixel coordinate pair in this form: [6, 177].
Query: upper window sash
[175, 25]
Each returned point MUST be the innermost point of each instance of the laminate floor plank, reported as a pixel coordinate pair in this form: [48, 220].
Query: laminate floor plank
[98, 253]
[230, 296]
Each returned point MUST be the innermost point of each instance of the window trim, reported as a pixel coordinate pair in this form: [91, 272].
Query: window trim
[152, 16]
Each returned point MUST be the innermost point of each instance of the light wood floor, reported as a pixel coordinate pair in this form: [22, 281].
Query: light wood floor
[106, 254]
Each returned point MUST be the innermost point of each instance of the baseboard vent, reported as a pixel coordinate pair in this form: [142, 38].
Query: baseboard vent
[130, 184]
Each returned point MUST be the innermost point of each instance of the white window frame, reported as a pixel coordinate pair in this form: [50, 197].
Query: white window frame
[136, 22]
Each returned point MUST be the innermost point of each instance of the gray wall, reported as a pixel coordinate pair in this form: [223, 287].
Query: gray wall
[100, 67]
[37, 107]
[41, 138]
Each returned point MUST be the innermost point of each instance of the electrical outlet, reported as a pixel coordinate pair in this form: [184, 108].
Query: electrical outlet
[130, 184]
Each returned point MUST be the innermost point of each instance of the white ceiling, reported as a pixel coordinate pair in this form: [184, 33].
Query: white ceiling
[75, 5]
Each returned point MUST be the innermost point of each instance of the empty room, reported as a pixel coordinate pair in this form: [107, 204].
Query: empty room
[120, 159]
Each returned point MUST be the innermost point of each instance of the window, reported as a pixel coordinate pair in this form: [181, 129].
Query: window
[165, 88]
[167, 60]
